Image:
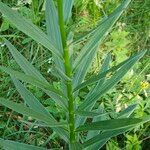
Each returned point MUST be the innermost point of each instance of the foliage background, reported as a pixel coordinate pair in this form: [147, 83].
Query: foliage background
[129, 35]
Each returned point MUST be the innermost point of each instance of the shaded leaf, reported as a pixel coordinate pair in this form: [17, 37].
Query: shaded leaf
[29, 98]
[20, 108]
[30, 79]
[106, 135]
[11, 145]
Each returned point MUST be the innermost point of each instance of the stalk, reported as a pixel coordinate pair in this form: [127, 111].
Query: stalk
[68, 71]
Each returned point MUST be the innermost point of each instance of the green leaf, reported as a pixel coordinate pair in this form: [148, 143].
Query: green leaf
[145, 119]
[11, 145]
[60, 74]
[123, 114]
[20, 108]
[104, 67]
[92, 134]
[24, 64]
[29, 98]
[127, 112]
[75, 146]
[52, 25]
[28, 68]
[111, 82]
[85, 58]
[68, 4]
[105, 136]
[54, 35]
[109, 124]
[28, 28]
[103, 74]
[100, 138]
[90, 113]
[30, 79]
[101, 32]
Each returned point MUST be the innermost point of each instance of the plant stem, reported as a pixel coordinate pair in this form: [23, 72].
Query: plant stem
[68, 71]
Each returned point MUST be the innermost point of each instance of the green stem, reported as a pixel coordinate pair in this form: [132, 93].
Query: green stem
[68, 71]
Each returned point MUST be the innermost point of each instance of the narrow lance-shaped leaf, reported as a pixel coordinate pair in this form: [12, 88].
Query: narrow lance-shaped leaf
[91, 113]
[12, 145]
[20, 108]
[52, 25]
[57, 72]
[85, 58]
[108, 134]
[28, 28]
[111, 82]
[102, 75]
[101, 137]
[127, 112]
[92, 134]
[30, 79]
[29, 98]
[54, 35]
[96, 135]
[53, 30]
[109, 124]
[101, 32]
[82, 70]
[105, 66]
[75, 146]
[67, 9]
[25, 65]
[28, 68]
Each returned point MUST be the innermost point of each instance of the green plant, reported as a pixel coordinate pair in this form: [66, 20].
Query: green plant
[76, 130]
[133, 142]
